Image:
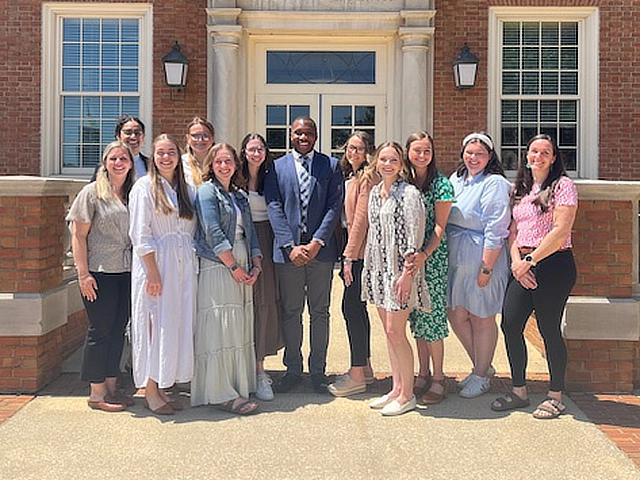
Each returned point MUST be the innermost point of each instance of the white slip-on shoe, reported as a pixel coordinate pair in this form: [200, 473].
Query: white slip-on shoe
[394, 408]
[380, 402]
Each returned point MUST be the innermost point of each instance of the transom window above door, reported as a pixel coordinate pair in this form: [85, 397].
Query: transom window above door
[321, 67]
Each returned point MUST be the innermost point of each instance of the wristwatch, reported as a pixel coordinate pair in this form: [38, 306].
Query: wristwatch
[234, 267]
[529, 259]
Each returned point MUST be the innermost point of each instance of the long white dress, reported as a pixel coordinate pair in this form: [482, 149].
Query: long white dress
[162, 327]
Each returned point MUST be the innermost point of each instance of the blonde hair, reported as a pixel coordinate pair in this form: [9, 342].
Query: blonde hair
[196, 170]
[161, 202]
[405, 167]
[103, 183]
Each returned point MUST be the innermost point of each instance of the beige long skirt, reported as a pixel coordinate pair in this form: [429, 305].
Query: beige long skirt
[225, 365]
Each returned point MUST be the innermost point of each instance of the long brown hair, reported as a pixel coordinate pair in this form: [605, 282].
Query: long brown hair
[237, 180]
[367, 140]
[161, 202]
[432, 170]
[524, 178]
[264, 167]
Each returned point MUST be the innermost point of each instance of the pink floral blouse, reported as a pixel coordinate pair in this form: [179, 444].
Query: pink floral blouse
[533, 225]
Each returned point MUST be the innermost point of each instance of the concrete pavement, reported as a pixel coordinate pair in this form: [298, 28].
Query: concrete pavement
[310, 436]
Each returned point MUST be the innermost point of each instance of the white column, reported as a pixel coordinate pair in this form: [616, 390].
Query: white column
[225, 82]
[415, 85]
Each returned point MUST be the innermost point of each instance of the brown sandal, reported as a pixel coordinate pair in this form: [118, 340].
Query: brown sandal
[243, 407]
[433, 398]
[425, 385]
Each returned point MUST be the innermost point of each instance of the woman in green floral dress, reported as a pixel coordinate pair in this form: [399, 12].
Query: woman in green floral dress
[430, 329]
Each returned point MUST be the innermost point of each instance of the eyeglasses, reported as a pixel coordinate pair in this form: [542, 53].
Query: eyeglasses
[354, 149]
[255, 150]
[200, 137]
[131, 133]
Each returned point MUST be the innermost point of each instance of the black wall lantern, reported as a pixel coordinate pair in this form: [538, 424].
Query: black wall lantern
[176, 66]
[465, 68]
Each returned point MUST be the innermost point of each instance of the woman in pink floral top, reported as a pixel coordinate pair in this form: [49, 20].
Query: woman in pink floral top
[545, 201]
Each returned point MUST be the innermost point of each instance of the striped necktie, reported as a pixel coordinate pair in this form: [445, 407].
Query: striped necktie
[305, 192]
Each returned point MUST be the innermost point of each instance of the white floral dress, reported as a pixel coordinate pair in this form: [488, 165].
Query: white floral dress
[396, 227]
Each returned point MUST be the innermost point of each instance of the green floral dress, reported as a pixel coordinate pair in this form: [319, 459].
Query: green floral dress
[432, 326]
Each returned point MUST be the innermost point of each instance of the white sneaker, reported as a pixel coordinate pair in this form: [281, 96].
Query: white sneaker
[490, 373]
[264, 391]
[476, 386]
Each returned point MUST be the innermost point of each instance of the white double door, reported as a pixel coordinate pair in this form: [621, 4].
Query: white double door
[337, 116]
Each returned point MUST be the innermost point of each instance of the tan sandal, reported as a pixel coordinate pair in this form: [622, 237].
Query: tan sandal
[548, 409]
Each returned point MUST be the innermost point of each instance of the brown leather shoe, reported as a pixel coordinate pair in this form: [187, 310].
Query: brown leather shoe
[176, 405]
[161, 410]
[433, 398]
[106, 406]
[120, 398]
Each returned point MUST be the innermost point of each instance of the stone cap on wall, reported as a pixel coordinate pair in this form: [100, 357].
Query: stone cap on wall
[26, 186]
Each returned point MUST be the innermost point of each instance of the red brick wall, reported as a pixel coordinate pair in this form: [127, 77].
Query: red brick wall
[457, 112]
[30, 243]
[28, 363]
[602, 238]
[20, 58]
[600, 365]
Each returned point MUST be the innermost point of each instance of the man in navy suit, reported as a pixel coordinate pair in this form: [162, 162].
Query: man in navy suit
[303, 191]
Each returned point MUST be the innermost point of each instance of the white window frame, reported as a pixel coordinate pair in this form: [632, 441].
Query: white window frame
[51, 82]
[588, 85]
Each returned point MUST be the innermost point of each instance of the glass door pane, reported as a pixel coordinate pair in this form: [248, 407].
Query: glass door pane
[344, 114]
[276, 112]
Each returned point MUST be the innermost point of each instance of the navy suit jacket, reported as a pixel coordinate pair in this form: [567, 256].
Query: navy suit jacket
[282, 193]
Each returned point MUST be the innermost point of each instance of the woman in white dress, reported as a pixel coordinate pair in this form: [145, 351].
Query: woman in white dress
[162, 228]
[230, 263]
[396, 231]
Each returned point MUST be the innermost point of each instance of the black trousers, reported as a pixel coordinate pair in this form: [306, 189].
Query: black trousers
[356, 318]
[108, 316]
[556, 276]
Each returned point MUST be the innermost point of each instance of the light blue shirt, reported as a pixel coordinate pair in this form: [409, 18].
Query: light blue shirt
[482, 206]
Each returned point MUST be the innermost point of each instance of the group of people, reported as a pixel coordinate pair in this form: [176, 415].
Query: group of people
[218, 253]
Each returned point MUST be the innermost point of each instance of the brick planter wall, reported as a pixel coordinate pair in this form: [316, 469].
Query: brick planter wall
[28, 363]
[40, 322]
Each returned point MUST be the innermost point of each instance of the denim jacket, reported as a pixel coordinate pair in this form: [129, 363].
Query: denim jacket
[217, 221]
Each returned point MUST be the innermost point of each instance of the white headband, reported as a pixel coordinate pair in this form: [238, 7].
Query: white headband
[478, 136]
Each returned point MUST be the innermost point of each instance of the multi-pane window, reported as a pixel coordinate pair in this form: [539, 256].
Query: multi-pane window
[345, 119]
[539, 88]
[100, 81]
[278, 127]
